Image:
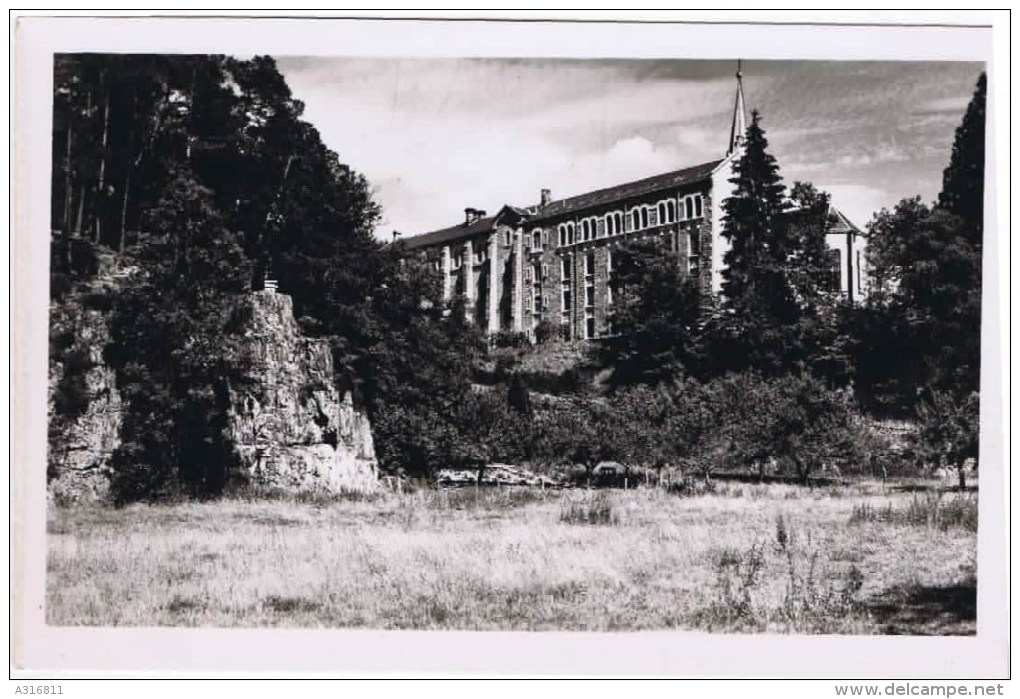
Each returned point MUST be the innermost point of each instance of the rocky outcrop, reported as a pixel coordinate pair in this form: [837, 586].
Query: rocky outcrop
[290, 426]
[84, 407]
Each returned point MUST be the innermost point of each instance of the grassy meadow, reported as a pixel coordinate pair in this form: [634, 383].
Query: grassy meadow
[857, 559]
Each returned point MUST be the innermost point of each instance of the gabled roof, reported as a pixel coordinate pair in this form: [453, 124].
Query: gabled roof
[838, 221]
[463, 230]
[648, 185]
[446, 235]
[666, 180]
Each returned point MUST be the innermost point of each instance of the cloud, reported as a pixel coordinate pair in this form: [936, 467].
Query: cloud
[436, 135]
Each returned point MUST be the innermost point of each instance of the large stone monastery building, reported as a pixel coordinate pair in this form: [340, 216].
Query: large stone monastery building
[553, 261]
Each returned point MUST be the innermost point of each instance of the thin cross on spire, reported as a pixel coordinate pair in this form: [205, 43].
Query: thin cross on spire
[739, 125]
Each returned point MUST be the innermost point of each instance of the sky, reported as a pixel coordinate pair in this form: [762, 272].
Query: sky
[436, 135]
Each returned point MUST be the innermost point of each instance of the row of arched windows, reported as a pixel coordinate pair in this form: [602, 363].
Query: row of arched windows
[636, 219]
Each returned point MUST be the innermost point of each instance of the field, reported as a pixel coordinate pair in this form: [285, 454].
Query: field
[859, 559]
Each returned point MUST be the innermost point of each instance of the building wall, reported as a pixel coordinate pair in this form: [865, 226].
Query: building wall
[691, 238]
[853, 273]
[721, 189]
[514, 281]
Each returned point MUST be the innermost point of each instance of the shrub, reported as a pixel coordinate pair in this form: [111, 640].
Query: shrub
[595, 507]
[793, 420]
[71, 396]
[810, 602]
[507, 338]
[931, 509]
[546, 331]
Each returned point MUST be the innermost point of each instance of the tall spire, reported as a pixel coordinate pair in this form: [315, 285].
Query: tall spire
[739, 121]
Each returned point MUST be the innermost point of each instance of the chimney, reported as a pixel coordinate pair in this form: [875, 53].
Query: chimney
[471, 215]
[396, 234]
[546, 197]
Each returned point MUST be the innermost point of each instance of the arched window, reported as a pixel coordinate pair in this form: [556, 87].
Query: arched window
[671, 211]
[662, 212]
[609, 224]
[644, 217]
[689, 207]
[570, 233]
[697, 206]
[536, 240]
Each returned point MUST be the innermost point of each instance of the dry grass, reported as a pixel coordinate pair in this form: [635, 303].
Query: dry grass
[761, 558]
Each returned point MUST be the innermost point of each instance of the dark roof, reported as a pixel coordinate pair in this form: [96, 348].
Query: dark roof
[445, 235]
[627, 190]
[841, 224]
[560, 207]
[838, 221]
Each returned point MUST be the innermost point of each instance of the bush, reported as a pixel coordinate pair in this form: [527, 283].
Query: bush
[507, 338]
[793, 420]
[546, 331]
[812, 602]
[594, 507]
[71, 395]
[928, 510]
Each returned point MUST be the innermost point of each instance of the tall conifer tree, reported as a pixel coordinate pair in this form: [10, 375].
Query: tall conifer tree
[963, 182]
[753, 275]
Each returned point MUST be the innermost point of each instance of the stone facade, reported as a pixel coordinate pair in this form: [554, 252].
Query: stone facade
[553, 262]
[568, 280]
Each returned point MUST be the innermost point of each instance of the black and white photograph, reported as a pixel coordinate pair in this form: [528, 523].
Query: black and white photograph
[517, 343]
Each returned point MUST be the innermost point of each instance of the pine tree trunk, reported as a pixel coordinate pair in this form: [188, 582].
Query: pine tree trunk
[124, 210]
[68, 188]
[79, 219]
[81, 208]
[99, 205]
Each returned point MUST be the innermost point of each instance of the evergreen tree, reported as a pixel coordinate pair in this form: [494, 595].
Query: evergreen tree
[963, 182]
[172, 350]
[756, 326]
[919, 335]
[754, 273]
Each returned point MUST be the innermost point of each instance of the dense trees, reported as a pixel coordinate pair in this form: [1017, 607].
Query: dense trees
[171, 350]
[927, 306]
[197, 177]
[656, 310]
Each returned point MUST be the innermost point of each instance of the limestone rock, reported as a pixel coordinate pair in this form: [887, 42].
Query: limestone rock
[290, 426]
[80, 444]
